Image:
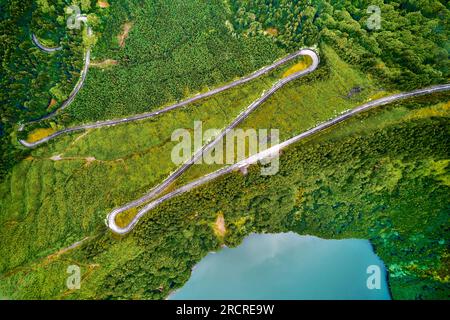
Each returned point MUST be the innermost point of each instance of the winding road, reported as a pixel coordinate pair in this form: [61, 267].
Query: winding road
[42, 47]
[205, 148]
[270, 152]
[180, 104]
[154, 192]
[72, 95]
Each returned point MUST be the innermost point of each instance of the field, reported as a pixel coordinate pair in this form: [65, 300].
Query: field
[329, 191]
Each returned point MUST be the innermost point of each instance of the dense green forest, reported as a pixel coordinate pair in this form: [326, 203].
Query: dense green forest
[173, 50]
[378, 176]
[410, 49]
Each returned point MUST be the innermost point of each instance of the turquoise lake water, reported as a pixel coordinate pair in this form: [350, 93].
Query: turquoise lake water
[287, 266]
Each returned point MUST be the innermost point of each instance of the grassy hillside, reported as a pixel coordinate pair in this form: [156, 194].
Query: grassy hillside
[307, 102]
[75, 180]
[359, 180]
[402, 43]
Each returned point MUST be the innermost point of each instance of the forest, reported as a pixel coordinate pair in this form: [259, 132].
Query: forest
[409, 49]
[331, 188]
[376, 177]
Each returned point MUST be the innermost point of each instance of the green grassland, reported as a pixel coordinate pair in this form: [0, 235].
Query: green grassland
[360, 179]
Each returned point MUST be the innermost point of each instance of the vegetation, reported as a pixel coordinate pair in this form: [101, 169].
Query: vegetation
[142, 150]
[296, 68]
[408, 50]
[167, 56]
[172, 51]
[359, 180]
[382, 176]
[33, 82]
[61, 175]
[39, 134]
[306, 102]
